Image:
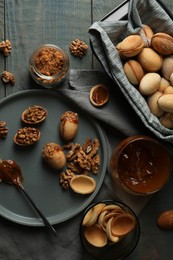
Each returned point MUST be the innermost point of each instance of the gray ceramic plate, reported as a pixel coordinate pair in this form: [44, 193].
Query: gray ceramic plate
[41, 182]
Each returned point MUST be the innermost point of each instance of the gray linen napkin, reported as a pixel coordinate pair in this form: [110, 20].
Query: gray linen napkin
[116, 114]
[105, 35]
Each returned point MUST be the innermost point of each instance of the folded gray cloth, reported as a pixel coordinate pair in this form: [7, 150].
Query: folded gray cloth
[117, 113]
[104, 35]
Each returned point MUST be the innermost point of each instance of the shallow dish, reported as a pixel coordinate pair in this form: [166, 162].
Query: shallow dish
[40, 181]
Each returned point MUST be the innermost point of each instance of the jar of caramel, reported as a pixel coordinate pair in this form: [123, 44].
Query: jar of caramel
[140, 165]
[49, 66]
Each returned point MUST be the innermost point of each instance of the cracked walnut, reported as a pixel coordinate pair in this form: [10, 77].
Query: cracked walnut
[80, 160]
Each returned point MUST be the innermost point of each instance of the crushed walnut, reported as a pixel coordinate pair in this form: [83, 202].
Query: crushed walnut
[5, 47]
[34, 115]
[49, 61]
[27, 136]
[78, 48]
[8, 77]
[65, 178]
[84, 158]
[3, 130]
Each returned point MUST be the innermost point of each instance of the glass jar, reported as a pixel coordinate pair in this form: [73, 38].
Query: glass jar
[140, 165]
[49, 66]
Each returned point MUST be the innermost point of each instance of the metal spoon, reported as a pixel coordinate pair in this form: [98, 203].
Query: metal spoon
[45, 220]
[10, 173]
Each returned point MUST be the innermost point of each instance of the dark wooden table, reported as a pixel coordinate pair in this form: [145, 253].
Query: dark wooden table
[27, 24]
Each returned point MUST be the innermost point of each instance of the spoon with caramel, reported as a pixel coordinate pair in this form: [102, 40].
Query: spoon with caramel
[11, 173]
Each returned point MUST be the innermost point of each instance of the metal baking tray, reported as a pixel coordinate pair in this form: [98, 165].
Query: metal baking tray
[121, 12]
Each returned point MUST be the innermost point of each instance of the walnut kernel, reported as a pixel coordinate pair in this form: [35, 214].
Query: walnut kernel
[3, 129]
[34, 115]
[78, 48]
[8, 77]
[84, 159]
[5, 47]
[27, 136]
[65, 178]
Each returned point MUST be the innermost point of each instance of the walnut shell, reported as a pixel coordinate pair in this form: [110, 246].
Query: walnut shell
[130, 46]
[162, 43]
[34, 115]
[27, 136]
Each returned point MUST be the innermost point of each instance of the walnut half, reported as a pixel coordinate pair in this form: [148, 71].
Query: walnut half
[78, 48]
[34, 115]
[65, 178]
[27, 136]
[5, 47]
[8, 77]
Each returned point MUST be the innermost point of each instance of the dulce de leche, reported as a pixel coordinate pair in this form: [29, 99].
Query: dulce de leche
[140, 165]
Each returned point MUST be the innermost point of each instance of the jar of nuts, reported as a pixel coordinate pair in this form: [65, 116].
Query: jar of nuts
[49, 65]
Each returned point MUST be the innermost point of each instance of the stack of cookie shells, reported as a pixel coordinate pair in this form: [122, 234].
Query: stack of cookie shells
[148, 65]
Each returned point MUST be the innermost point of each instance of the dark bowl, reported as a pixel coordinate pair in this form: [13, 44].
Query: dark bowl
[116, 250]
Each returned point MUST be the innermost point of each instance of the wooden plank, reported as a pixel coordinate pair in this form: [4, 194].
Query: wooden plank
[2, 37]
[100, 9]
[32, 23]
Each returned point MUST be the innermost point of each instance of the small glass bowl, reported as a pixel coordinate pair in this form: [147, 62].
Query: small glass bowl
[111, 250]
[140, 165]
[49, 66]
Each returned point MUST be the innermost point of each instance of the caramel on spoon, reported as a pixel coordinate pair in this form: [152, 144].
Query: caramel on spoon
[11, 173]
